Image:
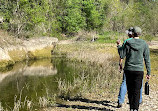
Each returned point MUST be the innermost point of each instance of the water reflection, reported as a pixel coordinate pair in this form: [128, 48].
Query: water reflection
[30, 70]
[40, 71]
[29, 79]
[35, 79]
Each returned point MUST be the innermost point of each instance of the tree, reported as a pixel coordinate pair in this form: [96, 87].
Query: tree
[73, 19]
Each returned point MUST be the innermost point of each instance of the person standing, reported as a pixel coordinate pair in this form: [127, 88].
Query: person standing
[123, 88]
[135, 50]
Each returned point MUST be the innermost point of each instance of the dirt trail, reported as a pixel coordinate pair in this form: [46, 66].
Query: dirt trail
[150, 103]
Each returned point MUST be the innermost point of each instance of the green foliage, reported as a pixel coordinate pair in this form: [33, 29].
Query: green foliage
[73, 18]
[26, 18]
[94, 14]
[108, 37]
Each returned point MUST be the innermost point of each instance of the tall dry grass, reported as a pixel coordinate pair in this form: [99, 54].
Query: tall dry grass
[101, 59]
[27, 104]
[1, 107]
[21, 105]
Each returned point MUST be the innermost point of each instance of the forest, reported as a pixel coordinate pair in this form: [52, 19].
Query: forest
[30, 18]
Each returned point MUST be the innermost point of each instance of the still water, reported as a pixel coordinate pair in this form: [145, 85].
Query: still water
[30, 80]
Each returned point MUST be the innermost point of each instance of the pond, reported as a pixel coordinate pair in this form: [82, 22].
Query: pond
[30, 81]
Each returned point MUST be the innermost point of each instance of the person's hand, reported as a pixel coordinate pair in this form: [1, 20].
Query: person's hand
[148, 77]
[118, 42]
[120, 68]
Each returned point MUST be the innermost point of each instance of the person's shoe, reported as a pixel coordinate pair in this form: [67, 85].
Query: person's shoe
[119, 105]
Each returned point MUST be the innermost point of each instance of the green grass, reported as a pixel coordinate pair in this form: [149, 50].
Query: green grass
[110, 37]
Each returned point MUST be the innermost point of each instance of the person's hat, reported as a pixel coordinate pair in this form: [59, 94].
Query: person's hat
[130, 31]
[137, 30]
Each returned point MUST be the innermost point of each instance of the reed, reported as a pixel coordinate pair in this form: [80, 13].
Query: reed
[48, 100]
[21, 105]
[102, 60]
[1, 107]
[43, 102]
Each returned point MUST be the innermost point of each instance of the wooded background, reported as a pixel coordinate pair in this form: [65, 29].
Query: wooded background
[28, 18]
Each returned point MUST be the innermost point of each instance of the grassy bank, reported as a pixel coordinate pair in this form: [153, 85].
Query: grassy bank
[87, 51]
[96, 85]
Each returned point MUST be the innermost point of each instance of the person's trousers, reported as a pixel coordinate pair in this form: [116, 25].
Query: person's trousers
[123, 90]
[134, 83]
